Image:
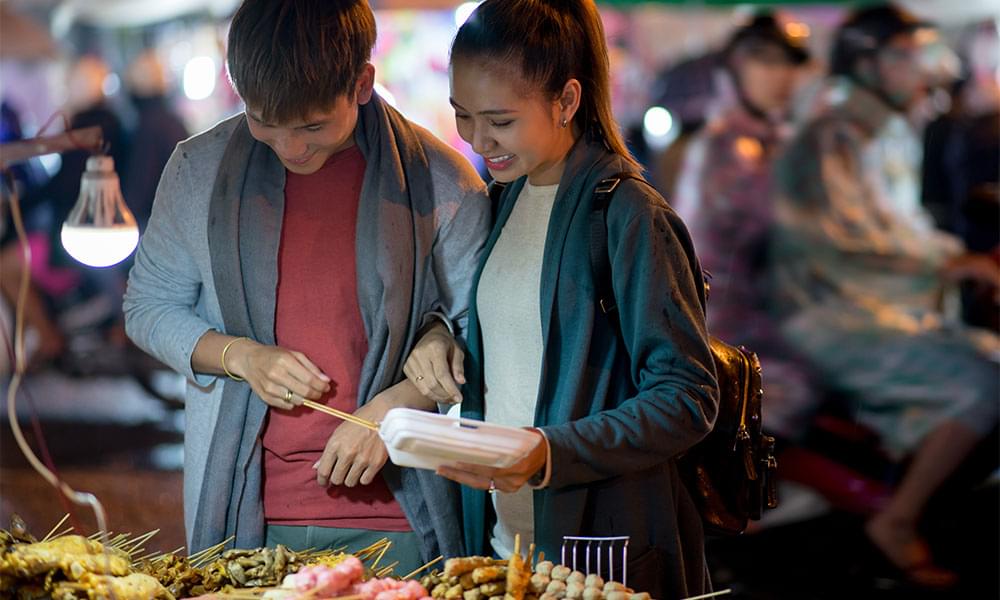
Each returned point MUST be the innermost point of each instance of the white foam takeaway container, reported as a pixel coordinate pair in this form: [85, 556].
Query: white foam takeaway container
[426, 440]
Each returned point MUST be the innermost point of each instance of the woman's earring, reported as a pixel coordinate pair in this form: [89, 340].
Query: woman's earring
[564, 122]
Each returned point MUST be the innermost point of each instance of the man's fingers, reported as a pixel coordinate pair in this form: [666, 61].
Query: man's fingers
[323, 467]
[290, 393]
[340, 469]
[277, 396]
[354, 474]
[315, 382]
[373, 468]
[316, 371]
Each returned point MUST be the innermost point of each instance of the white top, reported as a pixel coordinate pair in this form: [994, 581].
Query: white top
[509, 300]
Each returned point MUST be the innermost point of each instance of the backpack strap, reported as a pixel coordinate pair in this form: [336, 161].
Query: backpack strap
[599, 261]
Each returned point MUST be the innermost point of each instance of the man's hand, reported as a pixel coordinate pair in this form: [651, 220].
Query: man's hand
[282, 378]
[436, 365]
[355, 454]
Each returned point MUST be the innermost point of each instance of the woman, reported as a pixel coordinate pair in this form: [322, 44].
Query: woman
[612, 400]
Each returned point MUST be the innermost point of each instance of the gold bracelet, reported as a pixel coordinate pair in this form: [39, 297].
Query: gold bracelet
[226, 349]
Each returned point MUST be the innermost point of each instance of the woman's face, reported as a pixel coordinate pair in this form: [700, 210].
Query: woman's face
[517, 130]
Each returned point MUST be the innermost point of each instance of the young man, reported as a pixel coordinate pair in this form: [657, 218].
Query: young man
[295, 252]
[858, 268]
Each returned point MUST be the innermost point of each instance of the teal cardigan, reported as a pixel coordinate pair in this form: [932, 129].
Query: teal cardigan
[617, 409]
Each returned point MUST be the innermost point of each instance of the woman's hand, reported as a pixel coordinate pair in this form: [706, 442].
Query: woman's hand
[282, 378]
[508, 480]
[436, 365]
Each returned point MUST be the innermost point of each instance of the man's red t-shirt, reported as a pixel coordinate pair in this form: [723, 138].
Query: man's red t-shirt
[317, 314]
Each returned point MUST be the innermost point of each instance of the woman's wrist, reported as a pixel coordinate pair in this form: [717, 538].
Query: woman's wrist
[541, 475]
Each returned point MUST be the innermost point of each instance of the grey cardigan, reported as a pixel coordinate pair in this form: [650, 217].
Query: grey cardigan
[208, 260]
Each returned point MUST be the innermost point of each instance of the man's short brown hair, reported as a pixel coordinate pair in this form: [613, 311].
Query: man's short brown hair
[288, 58]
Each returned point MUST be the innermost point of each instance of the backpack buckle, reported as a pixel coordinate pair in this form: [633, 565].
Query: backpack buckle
[606, 186]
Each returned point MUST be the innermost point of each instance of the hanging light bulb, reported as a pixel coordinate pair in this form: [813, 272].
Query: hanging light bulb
[100, 231]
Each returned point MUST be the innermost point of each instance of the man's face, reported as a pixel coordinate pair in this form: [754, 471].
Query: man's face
[303, 146]
[899, 72]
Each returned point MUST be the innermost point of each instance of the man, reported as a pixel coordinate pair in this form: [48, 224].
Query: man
[858, 269]
[297, 249]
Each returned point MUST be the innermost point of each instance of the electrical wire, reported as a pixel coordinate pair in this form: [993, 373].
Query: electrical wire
[36, 427]
[20, 361]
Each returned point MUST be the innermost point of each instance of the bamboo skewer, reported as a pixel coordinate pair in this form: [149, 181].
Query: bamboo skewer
[427, 566]
[62, 533]
[57, 525]
[209, 554]
[366, 553]
[135, 545]
[712, 595]
[384, 571]
[380, 555]
[341, 414]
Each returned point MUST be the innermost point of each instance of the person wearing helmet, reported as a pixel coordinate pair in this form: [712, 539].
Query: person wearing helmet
[858, 268]
[725, 196]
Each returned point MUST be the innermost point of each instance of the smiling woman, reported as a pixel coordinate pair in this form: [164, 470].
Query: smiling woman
[609, 400]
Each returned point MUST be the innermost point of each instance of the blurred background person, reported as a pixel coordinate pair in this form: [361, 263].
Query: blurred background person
[961, 174]
[157, 132]
[725, 196]
[859, 267]
[59, 281]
